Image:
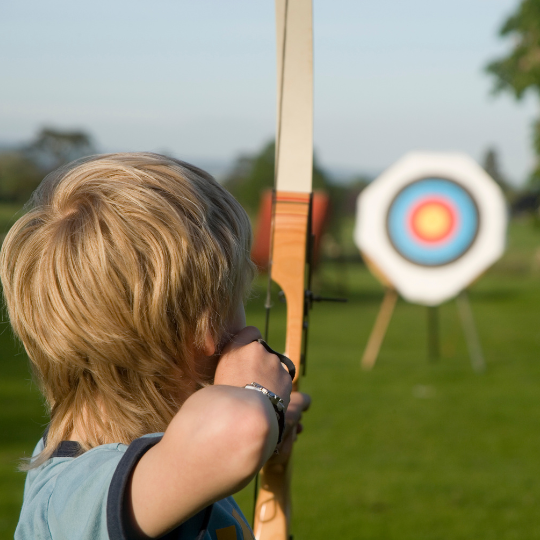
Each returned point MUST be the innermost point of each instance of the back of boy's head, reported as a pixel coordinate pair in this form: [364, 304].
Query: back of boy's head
[113, 279]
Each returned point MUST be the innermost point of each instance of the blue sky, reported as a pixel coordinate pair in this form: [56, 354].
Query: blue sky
[197, 78]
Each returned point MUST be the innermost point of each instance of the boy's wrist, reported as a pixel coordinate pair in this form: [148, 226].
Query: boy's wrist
[277, 404]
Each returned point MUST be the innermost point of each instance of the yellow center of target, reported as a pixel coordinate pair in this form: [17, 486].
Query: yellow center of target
[432, 221]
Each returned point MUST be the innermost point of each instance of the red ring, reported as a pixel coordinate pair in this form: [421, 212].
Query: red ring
[447, 235]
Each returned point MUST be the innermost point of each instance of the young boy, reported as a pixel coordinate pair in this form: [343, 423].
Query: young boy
[125, 282]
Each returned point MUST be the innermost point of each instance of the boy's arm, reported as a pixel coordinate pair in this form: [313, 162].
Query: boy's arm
[215, 444]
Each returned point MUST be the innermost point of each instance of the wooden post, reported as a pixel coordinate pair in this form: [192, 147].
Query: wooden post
[471, 334]
[379, 330]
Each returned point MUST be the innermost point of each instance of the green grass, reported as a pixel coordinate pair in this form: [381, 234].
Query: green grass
[9, 213]
[409, 451]
[21, 424]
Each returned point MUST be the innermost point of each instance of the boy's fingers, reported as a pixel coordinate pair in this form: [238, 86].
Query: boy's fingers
[244, 337]
[300, 402]
[250, 335]
[243, 361]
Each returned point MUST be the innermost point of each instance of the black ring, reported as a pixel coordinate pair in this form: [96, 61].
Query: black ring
[287, 362]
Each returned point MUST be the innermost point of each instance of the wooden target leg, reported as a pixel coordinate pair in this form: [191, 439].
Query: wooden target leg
[471, 334]
[433, 332]
[379, 330]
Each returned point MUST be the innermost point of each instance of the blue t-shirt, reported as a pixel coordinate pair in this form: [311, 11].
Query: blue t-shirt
[81, 497]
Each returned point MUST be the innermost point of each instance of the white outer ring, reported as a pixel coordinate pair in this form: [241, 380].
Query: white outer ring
[431, 285]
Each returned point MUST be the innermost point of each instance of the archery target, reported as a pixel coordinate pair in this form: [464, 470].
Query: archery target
[432, 221]
[430, 225]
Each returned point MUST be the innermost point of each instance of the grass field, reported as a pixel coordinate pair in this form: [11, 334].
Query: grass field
[412, 450]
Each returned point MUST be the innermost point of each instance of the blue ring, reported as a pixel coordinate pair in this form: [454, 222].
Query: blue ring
[446, 251]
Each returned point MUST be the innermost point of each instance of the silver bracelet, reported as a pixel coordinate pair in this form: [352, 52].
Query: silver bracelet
[277, 403]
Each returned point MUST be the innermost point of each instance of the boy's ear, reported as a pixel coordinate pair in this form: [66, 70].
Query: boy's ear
[209, 347]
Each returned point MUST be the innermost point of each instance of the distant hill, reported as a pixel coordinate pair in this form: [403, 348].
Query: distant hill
[346, 175]
[219, 168]
[6, 146]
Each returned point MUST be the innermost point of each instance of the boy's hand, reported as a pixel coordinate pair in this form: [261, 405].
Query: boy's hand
[206, 454]
[244, 361]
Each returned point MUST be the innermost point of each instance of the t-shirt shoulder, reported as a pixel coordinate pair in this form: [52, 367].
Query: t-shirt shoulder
[67, 491]
[77, 496]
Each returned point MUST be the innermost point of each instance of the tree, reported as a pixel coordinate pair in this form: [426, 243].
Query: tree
[19, 176]
[22, 168]
[53, 148]
[492, 167]
[519, 71]
[251, 175]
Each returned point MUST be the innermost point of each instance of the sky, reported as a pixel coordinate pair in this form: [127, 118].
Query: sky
[197, 78]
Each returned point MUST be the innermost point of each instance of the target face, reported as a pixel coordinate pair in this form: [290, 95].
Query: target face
[432, 221]
[430, 225]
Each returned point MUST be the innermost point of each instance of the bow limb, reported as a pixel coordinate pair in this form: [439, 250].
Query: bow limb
[291, 214]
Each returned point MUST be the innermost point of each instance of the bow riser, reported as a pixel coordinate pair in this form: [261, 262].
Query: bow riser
[273, 510]
[291, 214]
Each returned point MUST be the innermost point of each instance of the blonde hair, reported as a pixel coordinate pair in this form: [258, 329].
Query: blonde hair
[113, 278]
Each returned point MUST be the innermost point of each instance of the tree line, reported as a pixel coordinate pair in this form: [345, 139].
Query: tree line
[23, 167]
[518, 72]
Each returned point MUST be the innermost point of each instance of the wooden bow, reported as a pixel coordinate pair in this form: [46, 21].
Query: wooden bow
[290, 219]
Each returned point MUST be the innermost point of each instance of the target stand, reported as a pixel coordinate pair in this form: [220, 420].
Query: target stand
[384, 316]
[427, 227]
